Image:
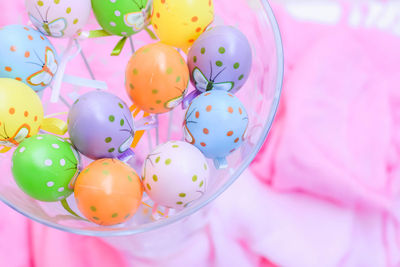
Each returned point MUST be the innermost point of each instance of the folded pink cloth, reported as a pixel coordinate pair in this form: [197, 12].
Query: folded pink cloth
[324, 190]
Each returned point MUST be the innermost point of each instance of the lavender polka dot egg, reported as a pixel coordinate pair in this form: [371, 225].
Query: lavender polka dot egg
[175, 174]
[101, 125]
[220, 59]
[215, 123]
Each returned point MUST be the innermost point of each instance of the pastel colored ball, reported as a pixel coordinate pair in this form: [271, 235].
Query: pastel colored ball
[58, 18]
[27, 56]
[180, 22]
[43, 167]
[108, 192]
[175, 174]
[21, 112]
[122, 17]
[157, 78]
[100, 125]
[220, 59]
[215, 123]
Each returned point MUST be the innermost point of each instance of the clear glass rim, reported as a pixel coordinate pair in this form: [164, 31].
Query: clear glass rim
[190, 210]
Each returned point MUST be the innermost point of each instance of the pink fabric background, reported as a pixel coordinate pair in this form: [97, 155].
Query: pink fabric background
[324, 190]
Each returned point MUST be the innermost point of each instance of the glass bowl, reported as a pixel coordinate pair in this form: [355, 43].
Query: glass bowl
[260, 95]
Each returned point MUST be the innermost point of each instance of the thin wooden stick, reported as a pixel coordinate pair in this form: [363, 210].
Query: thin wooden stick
[86, 62]
[132, 46]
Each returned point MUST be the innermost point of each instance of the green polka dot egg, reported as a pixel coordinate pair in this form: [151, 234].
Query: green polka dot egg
[43, 166]
[122, 17]
[175, 174]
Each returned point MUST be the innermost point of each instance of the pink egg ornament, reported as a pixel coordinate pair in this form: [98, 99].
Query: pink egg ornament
[175, 174]
[58, 18]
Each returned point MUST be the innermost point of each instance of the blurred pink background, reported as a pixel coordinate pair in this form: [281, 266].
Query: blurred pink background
[325, 188]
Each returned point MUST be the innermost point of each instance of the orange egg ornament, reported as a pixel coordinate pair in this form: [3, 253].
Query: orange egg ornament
[157, 78]
[108, 192]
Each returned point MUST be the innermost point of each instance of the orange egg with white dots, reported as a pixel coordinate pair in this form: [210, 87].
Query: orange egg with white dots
[108, 192]
[180, 22]
[157, 77]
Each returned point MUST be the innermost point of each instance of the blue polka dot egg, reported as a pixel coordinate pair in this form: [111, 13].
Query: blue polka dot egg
[27, 56]
[215, 123]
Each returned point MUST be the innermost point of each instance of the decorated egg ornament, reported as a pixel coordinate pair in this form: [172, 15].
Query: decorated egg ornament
[108, 192]
[27, 56]
[44, 166]
[157, 78]
[21, 112]
[175, 174]
[215, 123]
[220, 60]
[122, 17]
[180, 22]
[58, 18]
[101, 125]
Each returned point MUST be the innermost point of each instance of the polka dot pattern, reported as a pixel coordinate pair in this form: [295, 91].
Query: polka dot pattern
[170, 184]
[217, 131]
[49, 167]
[18, 66]
[232, 52]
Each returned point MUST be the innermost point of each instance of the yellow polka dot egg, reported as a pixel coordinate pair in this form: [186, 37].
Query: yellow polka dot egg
[58, 18]
[21, 112]
[180, 22]
[27, 56]
[175, 174]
